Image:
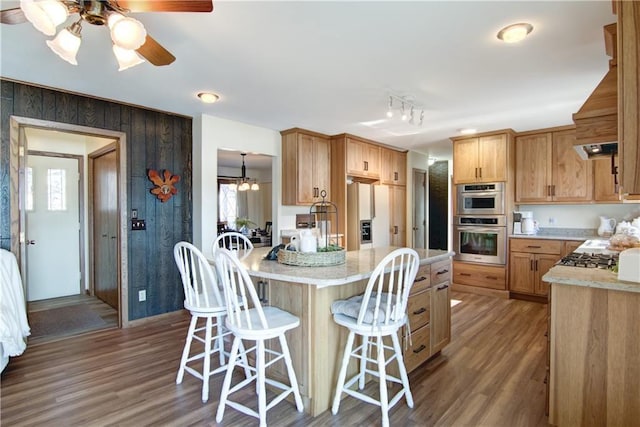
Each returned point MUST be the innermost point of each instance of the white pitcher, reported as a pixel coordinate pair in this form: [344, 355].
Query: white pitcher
[607, 225]
[308, 241]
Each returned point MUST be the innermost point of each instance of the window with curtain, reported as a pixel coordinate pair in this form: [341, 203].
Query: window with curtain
[227, 204]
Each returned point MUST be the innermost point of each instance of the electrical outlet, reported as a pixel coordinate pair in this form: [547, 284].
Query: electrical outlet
[142, 295]
[138, 224]
[552, 220]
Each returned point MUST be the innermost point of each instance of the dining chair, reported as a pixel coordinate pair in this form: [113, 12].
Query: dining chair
[249, 321]
[233, 241]
[204, 300]
[380, 312]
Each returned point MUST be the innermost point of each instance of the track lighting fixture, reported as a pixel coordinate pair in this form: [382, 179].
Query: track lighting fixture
[405, 104]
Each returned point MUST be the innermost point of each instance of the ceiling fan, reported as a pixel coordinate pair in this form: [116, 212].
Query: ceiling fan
[131, 42]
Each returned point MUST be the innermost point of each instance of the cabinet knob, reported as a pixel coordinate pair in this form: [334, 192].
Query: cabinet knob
[443, 271]
[420, 311]
[420, 279]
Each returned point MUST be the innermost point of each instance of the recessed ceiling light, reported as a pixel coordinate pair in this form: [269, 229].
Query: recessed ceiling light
[468, 131]
[515, 33]
[208, 97]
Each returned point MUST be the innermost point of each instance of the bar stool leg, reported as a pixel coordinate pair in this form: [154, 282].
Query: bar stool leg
[224, 394]
[342, 374]
[187, 348]
[384, 399]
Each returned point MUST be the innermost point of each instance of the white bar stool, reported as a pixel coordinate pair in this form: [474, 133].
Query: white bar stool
[233, 241]
[204, 300]
[380, 312]
[253, 324]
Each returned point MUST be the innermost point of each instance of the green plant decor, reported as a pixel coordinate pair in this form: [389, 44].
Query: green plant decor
[244, 223]
[330, 248]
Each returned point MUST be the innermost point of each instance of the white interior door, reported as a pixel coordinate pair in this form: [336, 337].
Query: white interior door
[53, 226]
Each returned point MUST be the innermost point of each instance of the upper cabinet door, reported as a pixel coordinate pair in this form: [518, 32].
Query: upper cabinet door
[322, 166]
[465, 161]
[604, 181]
[492, 158]
[572, 176]
[533, 167]
[393, 167]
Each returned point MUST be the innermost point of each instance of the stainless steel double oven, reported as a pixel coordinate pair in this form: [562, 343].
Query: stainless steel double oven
[480, 224]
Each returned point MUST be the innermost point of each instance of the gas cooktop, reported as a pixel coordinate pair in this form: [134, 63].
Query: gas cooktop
[590, 260]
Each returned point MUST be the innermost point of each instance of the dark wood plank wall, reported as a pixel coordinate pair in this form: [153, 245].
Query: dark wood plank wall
[155, 140]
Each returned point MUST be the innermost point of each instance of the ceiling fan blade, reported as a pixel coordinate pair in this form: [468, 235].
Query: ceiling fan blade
[155, 53]
[165, 5]
[12, 16]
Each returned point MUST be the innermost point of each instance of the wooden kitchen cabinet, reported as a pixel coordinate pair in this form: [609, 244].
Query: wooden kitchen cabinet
[306, 167]
[549, 169]
[480, 275]
[482, 158]
[393, 167]
[398, 220]
[429, 310]
[628, 40]
[440, 316]
[363, 159]
[529, 260]
[604, 181]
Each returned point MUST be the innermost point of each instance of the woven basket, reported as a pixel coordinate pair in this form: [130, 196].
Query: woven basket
[311, 259]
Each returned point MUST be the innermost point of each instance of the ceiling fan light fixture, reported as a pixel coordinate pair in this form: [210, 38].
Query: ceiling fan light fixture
[126, 58]
[67, 43]
[45, 15]
[128, 33]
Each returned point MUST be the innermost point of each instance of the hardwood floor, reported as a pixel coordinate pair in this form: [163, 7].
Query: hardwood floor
[491, 374]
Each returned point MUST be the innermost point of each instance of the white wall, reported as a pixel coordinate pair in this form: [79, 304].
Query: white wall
[213, 133]
[579, 216]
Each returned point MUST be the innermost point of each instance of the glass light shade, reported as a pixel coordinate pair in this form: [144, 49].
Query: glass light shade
[233, 186]
[128, 33]
[244, 186]
[126, 58]
[255, 186]
[38, 16]
[55, 10]
[67, 43]
[389, 113]
[113, 18]
[515, 33]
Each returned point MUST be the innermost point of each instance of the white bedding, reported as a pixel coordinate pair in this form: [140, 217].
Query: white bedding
[14, 327]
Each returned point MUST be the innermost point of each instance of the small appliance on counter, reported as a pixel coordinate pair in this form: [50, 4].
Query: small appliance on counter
[523, 223]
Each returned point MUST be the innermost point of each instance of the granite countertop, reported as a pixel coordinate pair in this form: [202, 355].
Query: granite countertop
[358, 266]
[589, 277]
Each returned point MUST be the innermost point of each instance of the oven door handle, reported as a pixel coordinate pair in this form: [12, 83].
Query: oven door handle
[477, 229]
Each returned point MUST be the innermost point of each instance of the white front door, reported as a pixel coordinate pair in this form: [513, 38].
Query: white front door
[53, 227]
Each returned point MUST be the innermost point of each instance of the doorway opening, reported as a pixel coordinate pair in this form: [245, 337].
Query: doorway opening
[439, 205]
[70, 304]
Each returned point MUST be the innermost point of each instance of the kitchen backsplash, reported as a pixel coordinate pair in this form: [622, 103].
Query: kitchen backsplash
[579, 216]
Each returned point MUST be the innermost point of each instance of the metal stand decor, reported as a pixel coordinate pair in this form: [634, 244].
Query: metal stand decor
[328, 253]
[325, 212]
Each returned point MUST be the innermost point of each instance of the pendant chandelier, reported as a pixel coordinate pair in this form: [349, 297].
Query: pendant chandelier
[243, 183]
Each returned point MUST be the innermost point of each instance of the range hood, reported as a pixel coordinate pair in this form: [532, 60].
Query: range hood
[597, 120]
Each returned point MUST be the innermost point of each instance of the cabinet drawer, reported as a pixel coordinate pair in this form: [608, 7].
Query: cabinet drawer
[419, 309]
[417, 351]
[423, 279]
[440, 271]
[536, 246]
[483, 276]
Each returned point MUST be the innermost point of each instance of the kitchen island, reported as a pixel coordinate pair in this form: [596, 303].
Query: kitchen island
[594, 348]
[316, 346]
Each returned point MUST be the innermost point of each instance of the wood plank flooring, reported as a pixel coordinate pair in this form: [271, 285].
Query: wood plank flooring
[491, 374]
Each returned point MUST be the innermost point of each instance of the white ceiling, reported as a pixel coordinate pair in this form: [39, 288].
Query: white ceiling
[330, 66]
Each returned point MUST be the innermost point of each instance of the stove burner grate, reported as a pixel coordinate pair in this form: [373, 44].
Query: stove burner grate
[588, 260]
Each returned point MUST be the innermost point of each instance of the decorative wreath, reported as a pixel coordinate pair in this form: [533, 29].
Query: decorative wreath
[164, 188]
